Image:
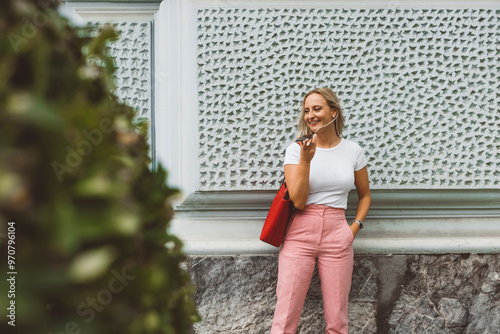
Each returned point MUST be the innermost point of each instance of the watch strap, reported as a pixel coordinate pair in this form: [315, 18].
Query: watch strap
[359, 222]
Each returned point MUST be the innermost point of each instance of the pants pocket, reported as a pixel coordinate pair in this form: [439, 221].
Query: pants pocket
[350, 235]
[300, 227]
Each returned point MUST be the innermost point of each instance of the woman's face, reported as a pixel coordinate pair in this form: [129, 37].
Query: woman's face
[317, 112]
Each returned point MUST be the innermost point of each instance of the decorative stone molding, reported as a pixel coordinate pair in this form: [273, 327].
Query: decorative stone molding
[399, 222]
[409, 203]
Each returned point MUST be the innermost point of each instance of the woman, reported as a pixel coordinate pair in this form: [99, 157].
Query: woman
[319, 173]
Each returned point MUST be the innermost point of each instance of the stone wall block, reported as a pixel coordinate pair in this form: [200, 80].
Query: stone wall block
[416, 315]
[364, 281]
[454, 314]
[484, 314]
[441, 294]
[493, 284]
[362, 318]
[235, 294]
[445, 294]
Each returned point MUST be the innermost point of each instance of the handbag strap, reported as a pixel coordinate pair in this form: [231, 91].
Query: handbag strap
[287, 194]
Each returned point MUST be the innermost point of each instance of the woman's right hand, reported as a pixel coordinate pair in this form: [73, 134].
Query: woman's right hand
[297, 176]
[307, 149]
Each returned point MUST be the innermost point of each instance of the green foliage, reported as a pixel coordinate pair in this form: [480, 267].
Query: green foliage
[93, 252]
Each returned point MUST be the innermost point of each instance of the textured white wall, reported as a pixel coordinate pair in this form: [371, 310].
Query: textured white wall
[132, 56]
[419, 88]
[133, 52]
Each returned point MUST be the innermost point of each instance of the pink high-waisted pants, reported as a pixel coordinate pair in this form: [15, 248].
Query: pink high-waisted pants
[319, 233]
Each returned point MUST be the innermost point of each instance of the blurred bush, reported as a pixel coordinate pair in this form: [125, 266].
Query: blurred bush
[93, 252]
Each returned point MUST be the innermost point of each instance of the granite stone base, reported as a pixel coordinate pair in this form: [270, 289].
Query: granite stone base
[404, 294]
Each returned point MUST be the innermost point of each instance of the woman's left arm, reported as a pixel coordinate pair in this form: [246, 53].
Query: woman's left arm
[363, 189]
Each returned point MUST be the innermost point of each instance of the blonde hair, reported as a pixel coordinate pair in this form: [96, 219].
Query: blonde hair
[333, 103]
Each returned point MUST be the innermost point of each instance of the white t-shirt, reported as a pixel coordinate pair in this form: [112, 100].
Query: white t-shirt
[331, 175]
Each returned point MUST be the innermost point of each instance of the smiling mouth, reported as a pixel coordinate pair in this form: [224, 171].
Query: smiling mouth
[312, 123]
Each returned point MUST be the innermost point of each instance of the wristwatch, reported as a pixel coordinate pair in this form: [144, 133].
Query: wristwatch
[359, 222]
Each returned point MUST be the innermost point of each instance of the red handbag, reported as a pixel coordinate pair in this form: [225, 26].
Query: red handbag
[277, 218]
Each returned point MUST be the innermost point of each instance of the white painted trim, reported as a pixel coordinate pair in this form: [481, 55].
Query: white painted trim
[114, 7]
[177, 114]
[81, 12]
[380, 236]
[168, 135]
[189, 96]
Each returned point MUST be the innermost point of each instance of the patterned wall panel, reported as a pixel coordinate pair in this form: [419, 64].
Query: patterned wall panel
[132, 56]
[419, 88]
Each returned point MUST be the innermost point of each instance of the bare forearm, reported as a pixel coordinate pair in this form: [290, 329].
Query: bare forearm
[300, 189]
[297, 176]
[363, 207]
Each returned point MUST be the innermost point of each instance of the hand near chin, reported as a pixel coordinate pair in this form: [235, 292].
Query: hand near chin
[308, 148]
